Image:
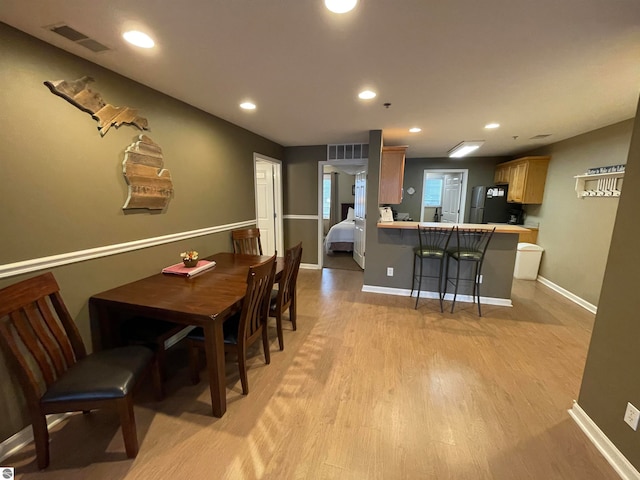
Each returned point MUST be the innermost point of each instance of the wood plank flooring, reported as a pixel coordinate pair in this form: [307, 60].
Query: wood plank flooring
[367, 388]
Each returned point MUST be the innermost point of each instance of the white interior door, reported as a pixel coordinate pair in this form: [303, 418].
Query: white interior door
[360, 210]
[451, 198]
[269, 205]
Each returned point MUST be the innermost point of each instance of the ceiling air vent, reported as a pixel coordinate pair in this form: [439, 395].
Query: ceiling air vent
[540, 137]
[348, 151]
[77, 37]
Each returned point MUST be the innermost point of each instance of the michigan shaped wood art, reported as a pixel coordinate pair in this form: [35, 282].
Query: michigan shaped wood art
[150, 185]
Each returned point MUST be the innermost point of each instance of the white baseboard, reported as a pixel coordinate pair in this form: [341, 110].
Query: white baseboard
[566, 293]
[609, 451]
[310, 266]
[405, 292]
[25, 436]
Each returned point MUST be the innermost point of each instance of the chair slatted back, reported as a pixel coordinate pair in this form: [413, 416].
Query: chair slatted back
[247, 241]
[286, 289]
[474, 240]
[255, 307]
[40, 341]
[434, 241]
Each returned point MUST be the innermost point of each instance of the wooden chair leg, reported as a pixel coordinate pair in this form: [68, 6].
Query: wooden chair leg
[194, 363]
[265, 345]
[41, 439]
[279, 330]
[242, 367]
[157, 379]
[128, 425]
[293, 311]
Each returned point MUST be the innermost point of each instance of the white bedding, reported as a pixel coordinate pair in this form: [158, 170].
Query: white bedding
[340, 232]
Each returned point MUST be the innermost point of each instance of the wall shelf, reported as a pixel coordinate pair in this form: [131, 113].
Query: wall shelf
[599, 184]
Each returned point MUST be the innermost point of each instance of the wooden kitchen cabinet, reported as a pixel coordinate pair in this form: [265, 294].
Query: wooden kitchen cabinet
[501, 175]
[527, 177]
[529, 237]
[391, 175]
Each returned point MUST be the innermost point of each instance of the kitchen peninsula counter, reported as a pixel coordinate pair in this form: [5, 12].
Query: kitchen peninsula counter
[399, 239]
[500, 228]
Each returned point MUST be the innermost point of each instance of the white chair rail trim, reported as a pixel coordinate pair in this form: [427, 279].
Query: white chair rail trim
[43, 263]
[300, 217]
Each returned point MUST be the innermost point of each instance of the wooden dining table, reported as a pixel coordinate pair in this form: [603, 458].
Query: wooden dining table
[205, 300]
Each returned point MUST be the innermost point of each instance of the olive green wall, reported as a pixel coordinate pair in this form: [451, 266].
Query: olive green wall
[576, 233]
[610, 377]
[62, 188]
[481, 170]
[300, 178]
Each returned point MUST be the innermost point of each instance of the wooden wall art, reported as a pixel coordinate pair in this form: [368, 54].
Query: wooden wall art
[150, 185]
[79, 94]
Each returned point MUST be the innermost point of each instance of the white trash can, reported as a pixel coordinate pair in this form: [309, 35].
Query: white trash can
[527, 261]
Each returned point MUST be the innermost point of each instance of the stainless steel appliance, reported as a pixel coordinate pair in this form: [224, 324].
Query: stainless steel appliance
[489, 204]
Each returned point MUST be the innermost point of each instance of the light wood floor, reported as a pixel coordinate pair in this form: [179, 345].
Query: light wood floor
[367, 388]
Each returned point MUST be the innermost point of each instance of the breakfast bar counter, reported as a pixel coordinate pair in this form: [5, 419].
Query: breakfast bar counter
[500, 228]
[399, 239]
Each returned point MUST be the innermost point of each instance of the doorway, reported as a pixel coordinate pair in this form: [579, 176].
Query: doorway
[444, 195]
[268, 194]
[341, 214]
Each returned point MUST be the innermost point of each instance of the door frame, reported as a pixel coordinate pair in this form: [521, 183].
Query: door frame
[277, 194]
[463, 188]
[321, 165]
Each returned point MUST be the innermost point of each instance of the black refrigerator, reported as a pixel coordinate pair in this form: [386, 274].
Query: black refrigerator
[489, 204]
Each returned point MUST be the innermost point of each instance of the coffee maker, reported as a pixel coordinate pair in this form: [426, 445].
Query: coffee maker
[516, 215]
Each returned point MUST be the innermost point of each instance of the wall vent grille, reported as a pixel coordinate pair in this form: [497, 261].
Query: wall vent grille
[348, 151]
[77, 37]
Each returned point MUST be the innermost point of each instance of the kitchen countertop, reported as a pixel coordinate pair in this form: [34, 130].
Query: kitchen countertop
[500, 228]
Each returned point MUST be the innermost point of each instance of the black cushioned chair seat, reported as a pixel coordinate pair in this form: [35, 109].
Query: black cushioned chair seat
[108, 374]
[229, 330]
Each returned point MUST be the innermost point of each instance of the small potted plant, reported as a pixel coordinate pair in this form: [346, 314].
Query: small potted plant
[189, 258]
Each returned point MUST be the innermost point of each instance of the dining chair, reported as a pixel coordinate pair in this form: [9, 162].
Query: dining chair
[247, 241]
[44, 348]
[244, 328]
[284, 297]
[158, 335]
[432, 245]
[471, 247]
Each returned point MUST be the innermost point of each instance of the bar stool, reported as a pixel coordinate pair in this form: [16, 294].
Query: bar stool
[432, 245]
[471, 247]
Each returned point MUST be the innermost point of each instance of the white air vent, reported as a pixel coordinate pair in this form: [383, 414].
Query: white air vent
[77, 37]
[540, 137]
[348, 151]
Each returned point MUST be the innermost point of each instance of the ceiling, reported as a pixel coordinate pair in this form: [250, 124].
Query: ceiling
[546, 67]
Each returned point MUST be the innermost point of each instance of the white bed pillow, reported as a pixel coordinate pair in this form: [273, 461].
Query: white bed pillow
[351, 215]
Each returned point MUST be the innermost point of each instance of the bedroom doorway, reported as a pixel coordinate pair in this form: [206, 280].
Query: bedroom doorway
[341, 209]
[268, 195]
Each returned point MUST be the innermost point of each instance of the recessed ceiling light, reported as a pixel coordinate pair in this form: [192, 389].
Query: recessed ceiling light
[139, 39]
[415, 130]
[465, 148]
[492, 125]
[340, 6]
[367, 95]
[248, 106]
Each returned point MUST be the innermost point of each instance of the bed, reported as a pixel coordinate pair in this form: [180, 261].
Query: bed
[340, 236]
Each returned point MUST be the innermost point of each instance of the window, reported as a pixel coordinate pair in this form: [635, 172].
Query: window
[326, 196]
[432, 191]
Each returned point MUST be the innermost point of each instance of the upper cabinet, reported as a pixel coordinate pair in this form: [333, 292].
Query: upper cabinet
[526, 177]
[501, 176]
[391, 175]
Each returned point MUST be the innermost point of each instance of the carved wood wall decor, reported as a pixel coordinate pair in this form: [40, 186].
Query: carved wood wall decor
[78, 93]
[150, 185]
